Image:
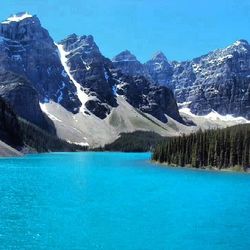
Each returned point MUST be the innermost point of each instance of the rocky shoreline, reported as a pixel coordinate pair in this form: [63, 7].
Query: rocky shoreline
[206, 168]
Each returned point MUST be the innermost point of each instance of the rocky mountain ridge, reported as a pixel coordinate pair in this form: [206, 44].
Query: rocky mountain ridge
[28, 50]
[218, 81]
[70, 89]
[73, 73]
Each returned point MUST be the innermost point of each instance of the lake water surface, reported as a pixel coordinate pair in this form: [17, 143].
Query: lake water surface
[119, 201]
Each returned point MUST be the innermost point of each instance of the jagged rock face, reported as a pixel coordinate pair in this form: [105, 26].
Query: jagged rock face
[160, 70]
[217, 81]
[27, 50]
[48, 71]
[23, 99]
[92, 71]
[140, 92]
[152, 99]
[128, 64]
[100, 78]
[157, 70]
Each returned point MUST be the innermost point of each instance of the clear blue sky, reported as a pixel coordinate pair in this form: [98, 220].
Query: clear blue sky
[182, 29]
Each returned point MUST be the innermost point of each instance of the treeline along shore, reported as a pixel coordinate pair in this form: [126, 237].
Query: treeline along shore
[220, 148]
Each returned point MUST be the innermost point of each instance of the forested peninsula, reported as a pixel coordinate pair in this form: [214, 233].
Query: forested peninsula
[220, 149]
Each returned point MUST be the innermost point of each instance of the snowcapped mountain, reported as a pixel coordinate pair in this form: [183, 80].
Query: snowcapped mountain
[70, 89]
[17, 17]
[97, 79]
[83, 97]
[218, 81]
[90, 72]
[27, 49]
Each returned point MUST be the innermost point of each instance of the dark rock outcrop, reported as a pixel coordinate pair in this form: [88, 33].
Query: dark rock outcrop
[128, 64]
[92, 71]
[156, 100]
[24, 100]
[217, 81]
[9, 126]
[160, 70]
[97, 75]
[33, 69]
[100, 79]
[27, 49]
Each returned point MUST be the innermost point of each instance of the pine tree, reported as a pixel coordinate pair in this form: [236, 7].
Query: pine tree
[220, 148]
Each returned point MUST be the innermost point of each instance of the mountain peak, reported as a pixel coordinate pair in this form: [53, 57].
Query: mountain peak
[74, 37]
[241, 46]
[241, 42]
[125, 55]
[85, 42]
[159, 56]
[17, 17]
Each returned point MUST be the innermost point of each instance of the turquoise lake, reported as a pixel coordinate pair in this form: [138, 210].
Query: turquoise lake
[119, 201]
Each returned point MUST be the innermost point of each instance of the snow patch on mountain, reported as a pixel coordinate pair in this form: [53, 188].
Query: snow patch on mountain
[106, 75]
[50, 115]
[59, 91]
[64, 74]
[1, 39]
[86, 65]
[183, 104]
[17, 17]
[83, 144]
[215, 116]
[114, 89]
[16, 57]
[83, 97]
